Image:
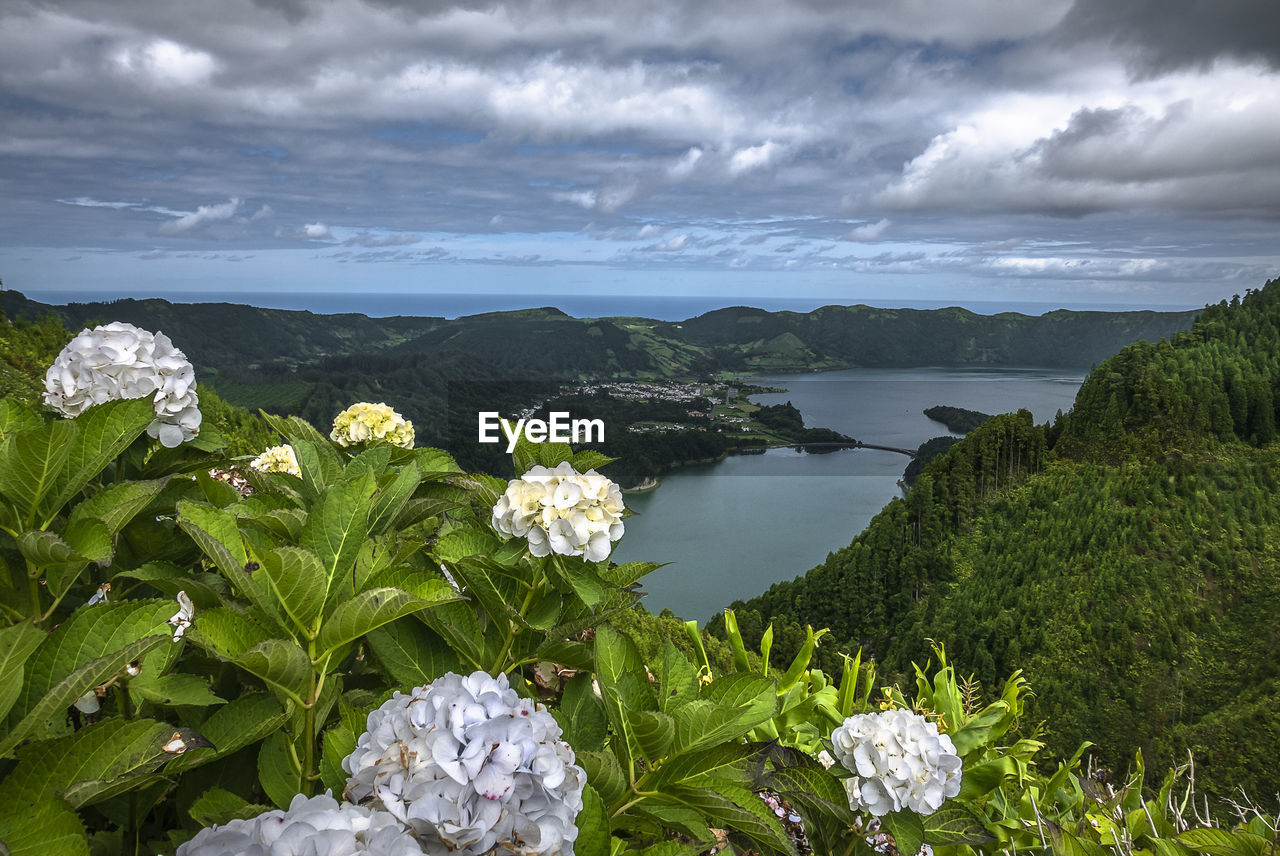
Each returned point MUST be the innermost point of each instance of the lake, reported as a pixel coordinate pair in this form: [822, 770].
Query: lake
[732, 528]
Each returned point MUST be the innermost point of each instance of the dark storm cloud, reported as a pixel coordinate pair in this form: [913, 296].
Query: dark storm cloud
[1170, 35]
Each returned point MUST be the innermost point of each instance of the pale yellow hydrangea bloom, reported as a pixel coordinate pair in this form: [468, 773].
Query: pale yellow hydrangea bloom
[277, 459]
[363, 422]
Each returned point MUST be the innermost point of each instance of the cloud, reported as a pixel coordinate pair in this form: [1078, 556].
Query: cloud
[754, 157]
[605, 200]
[687, 163]
[867, 231]
[201, 218]
[316, 232]
[368, 239]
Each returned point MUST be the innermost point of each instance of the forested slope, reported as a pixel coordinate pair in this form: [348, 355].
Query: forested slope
[1126, 557]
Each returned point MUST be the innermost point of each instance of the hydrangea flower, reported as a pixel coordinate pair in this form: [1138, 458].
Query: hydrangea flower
[471, 767]
[562, 511]
[363, 422]
[317, 825]
[898, 760]
[277, 459]
[120, 361]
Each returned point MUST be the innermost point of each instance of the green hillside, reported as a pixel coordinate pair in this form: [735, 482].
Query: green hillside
[1125, 557]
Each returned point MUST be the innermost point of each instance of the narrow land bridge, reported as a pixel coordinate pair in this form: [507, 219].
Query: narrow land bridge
[852, 444]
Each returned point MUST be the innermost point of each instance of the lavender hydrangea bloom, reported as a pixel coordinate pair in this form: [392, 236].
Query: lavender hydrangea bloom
[120, 361]
[315, 826]
[899, 760]
[470, 767]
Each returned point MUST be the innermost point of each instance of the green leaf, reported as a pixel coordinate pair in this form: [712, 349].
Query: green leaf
[435, 463]
[654, 732]
[14, 419]
[953, 825]
[604, 774]
[117, 504]
[906, 828]
[624, 687]
[91, 633]
[226, 633]
[728, 708]
[734, 807]
[391, 499]
[90, 538]
[281, 664]
[726, 762]
[679, 678]
[17, 643]
[411, 654]
[215, 491]
[104, 433]
[338, 743]
[593, 826]
[337, 526]
[230, 728]
[582, 577]
[581, 715]
[50, 554]
[373, 459]
[216, 534]
[461, 543]
[815, 791]
[1220, 842]
[31, 463]
[276, 771]
[366, 611]
[174, 690]
[204, 589]
[590, 459]
[299, 583]
[493, 585]
[218, 806]
[65, 692]
[41, 825]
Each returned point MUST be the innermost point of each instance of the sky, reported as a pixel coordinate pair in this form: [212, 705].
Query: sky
[1095, 151]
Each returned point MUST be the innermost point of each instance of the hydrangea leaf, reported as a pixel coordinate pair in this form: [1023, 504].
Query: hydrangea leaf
[725, 762]
[593, 826]
[91, 633]
[32, 462]
[14, 419]
[604, 774]
[581, 715]
[366, 611]
[174, 690]
[412, 654]
[280, 663]
[953, 825]
[40, 825]
[17, 643]
[65, 692]
[906, 828]
[51, 557]
[732, 806]
[299, 582]
[392, 498]
[218, 806]
[373, 459]
[338, 743]
[679, 678]
[654, 732]
[276, 771]
[216, 534]
[117, 504]
[233, 726]
[104, 432]
[204, 589]
[337, 525]
[461, 543]
[435, 463]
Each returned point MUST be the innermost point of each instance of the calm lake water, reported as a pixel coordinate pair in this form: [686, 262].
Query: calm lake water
[733, 528]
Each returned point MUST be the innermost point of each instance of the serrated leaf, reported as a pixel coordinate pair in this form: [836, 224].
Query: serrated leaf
[65, 692]
[215, 491]
[726, 762]
[679, 678]
[174, 690]
[435, 463]
[593, 826]
[491, 585]
[1220, 842]
[906, 828]
[218, 806]
[105, 431]
[337, 525]
[117, 504]
[277, 773]
[204, 589]
[216, 534]
[50, 555]
[366, 611]
[89, 634]
[14, 419]
[338, 743]
[17, 643]
[814, 790]
[953, 825]
[32, 462]
[281, 664]
[461, 543]
[412, 654]
[734, 807]
[90, 538]
[590, 459]
[391, 499]
[41, 825]
[299, 583]
[581, 576]
[604, 774]
[233, 726]
[581, 715]
[226, 633]
[373, 459]
[724, 712]
[654, 732]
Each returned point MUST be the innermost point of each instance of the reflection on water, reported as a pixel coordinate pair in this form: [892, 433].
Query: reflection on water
[733, 528]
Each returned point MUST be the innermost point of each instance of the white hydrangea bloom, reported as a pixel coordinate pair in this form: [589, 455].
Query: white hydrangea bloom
[120, 361]
[562, 511]
[315, 826]
[472, 767]
[899, 760]
[363, 422]
[277, 459]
